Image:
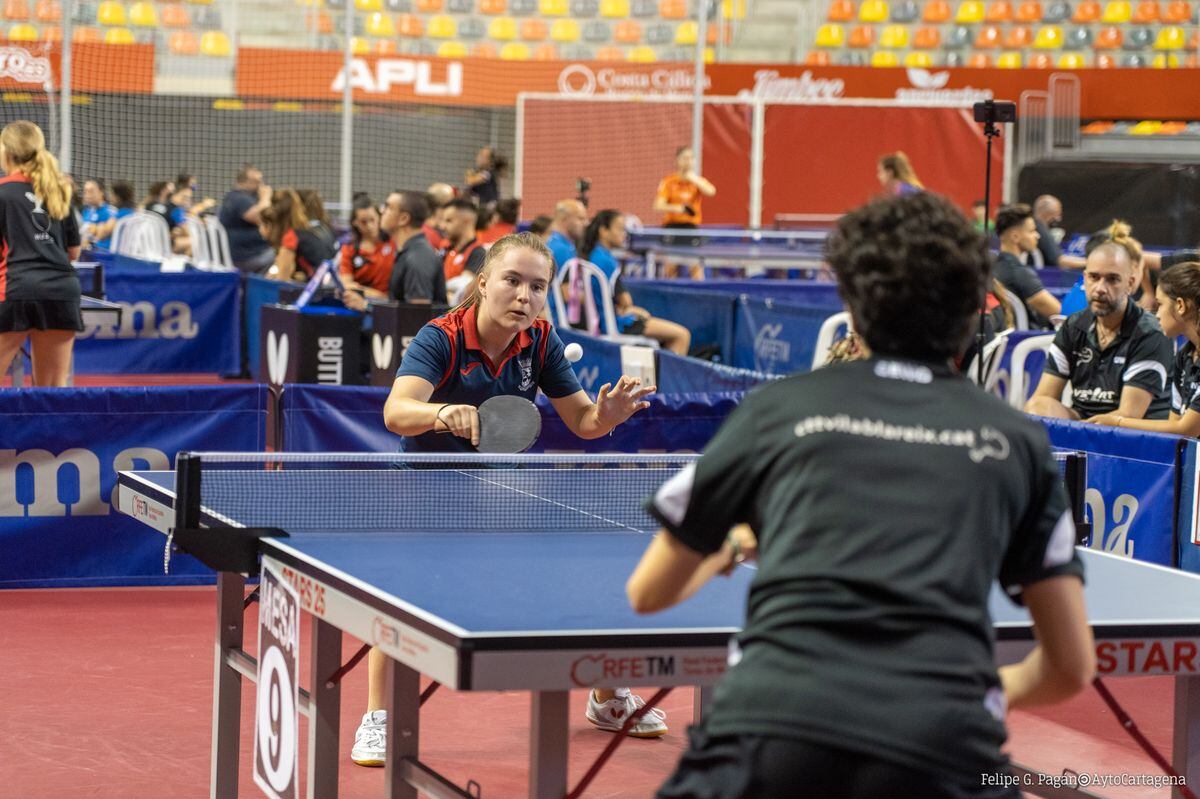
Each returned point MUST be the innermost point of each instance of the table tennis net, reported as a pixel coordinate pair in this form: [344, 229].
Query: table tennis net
[371, 493]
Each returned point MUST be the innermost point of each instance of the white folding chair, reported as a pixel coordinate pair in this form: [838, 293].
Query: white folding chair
[1020, 314]
[218, 242]
[1017, 389]
[828, 334]
[598, 312]
[198, 235]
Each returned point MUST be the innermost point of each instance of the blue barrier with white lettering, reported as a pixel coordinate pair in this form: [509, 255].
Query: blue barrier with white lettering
[175, 322]
[601, 361]
[775, 337]
[709, 315]
[680, 375]
[60, 451]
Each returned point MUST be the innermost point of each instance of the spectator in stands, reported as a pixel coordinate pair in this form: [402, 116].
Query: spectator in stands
[542, 226]
[301, 247]
[1018, 236]
[1113, 352]
[418, 275]
[570, 220]
[464, 253]
[124, 198]
[897, 176]
[605, 233]
[186, 179]
[99, 217]
[240, 214]
[979, 214]
[178, 205]
[504, 221]
[438, 195]
[1047, 215]
[158, 200]
[366, 262]
[1179, 315]
[483, 179]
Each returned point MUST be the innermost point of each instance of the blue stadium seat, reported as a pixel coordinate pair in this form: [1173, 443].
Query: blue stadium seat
[471, 28]
[584, 9]
[335, 4]
[398, 6]
[958, 38]
[852, 58]
[905, 11]
[1078, 39]
[425, 47]
[644, 8]
[1138, 39]
[460, 6]
[1133, 60]
[660, 34]
[523, 8]
[84, 14]
[596, 31]
[206, 18]
[955, 60]
[1057, 12]
[577, 52]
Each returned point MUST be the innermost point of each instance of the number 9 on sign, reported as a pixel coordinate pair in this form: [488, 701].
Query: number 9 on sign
[275, 721]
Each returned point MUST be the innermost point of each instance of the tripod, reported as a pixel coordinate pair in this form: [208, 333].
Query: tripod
[989, 113]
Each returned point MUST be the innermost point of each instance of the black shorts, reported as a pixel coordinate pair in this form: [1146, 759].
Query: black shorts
[636, 328]
[685, 240]
[762, 767]
[18, 316]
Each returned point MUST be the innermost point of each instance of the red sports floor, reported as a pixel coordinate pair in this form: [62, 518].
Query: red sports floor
[108, 694]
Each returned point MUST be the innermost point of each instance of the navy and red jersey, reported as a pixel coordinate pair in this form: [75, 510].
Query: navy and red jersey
[434, 236]
[33, 247]
[447, 353]
[469, 258]
[370, 269]
[312, 246]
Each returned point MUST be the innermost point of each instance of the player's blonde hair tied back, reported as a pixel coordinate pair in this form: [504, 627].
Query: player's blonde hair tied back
[25, 146]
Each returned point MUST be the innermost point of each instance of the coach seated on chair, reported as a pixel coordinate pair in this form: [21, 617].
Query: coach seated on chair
[1114, 353]
[1018, 236]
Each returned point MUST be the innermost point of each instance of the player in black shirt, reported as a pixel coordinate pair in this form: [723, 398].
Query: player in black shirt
[887, 496]
[39, 235]
[1178, 296]
[1018, 236]
[1113, 353]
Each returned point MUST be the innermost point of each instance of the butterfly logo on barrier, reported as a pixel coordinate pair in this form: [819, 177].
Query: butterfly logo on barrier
[277, 357]
[924, 79]
[381, 350]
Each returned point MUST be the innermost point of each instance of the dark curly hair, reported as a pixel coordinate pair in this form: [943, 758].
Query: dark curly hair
[913, 272]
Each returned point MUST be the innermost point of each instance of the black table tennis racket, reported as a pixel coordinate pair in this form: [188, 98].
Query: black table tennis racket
[508, 424]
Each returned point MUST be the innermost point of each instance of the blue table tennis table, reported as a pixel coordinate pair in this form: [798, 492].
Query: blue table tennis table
[749, 251]
[512, 578]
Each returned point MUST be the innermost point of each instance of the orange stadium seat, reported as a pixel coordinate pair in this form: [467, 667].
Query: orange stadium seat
[545, 52]
[1170, 38]
[1085, 12]
[873, 11]
[1192, 62]
[22, 32]
[718, 32]
[894, 37]
[988, 38]
[16, 9]
[385, 47]
[921, 60]
[1105, 61]
[320, 21]
[840, 11]
[614, 9]
[429, 6]
[201, 2]
[884, 58]
[52, 33]
[936, 11]
[565, 30]
[183, 43]
[1071, 61]
[1009, 61]
[831, 36]
[493, 6]
[552, 8]
[531, 30]
[48, 11]
[1109, 39]
[111, 13]
[1018, 38]
[610, 54]
[368, 5]
[999, 11]
[86, 36]
[442, 27]
[1049, 37]
[628, 32]
[1117, 12]
[515, 51]
[1194, 42]
[452, 50]
[673, 9]
[862, 36]
[1041, 61]
[641, 55]
[119, 36]
[485, 50]
[175, 15]
[969, 12]
[979, 61]
[927, 38]
[1179, 12]
[1147, 13]
[1029, 11]
[817, 58]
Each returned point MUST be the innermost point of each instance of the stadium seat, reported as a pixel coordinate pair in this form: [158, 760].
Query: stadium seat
[545, 52]
[1194, 42]
[504, 29]
[1029, 11]
[831, 36]
[596, 32]
[733, 9]
[1018, 38]
[395, 6]
[1078, 39]
[840, 11]
[492, 7]
[1165, 61]
[1170, 38]
[485, 50]
[368, 5]
[175, 15]
[659, 34]
[86, 36]
[384, 47]
[1049, 37]
[955, 60]
[959, 37]
[904, 11]
[442, 27]
[515, 51]
[1116, 12]
[209, 18]
[531, 30]
[429, 6]
[1147, 13]
[460, 6]
[52, 33]
[1085, 12]
[988, 38]
[48, 11]
[614, 9]
[22, 32]
[359, 45]
[817, 58]
[565, 30]
[111, 13]
[610, 54]
[1178, 12]
[522, 8]
[452, 50]
[969, 12]
[1057, 12]
[718, 32]
[577, 52]
[1138, 39]
[862, 36]
[919, 60]
[628, 32]
[641, 55]
[1105, 61]
[936, 11]
[380, 24]
[183, 43]
[119, 36]
[1072, 61]
[1192, 62]
[873, 11]
[894, 37]
[1133, 61]
[410, 25]
[1109, 38]
[927, 38]
[1040, 61]
[553, 8]
[884, 58]
[686, 34]
[16, 9]
[998, 11]
[1009, 61]
[667, 9]
[585, 9]
[471, 28]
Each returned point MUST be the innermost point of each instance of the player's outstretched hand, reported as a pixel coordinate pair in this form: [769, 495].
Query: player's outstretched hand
[623, 400]
[1106, 419]
[461, 420]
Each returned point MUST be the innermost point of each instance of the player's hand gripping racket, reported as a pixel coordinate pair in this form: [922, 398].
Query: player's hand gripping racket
[507, 424]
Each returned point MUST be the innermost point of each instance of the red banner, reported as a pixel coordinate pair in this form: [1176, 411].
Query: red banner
[120, 69]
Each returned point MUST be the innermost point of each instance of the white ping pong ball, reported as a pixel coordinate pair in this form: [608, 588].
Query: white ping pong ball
[573, 352]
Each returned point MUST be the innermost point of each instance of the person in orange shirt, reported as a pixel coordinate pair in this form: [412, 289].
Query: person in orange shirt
[679, 197]
[367, 259]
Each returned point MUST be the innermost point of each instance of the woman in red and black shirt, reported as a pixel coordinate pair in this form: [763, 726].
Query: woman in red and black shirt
[368, 257]
[39, 235]
[300, 246]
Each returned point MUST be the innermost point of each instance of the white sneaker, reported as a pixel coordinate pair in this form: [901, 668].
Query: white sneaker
[611, 715]
[370, 740]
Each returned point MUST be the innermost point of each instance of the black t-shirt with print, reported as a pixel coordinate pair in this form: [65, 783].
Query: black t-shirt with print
[34, 264]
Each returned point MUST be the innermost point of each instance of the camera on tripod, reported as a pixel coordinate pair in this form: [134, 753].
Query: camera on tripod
[582, 187]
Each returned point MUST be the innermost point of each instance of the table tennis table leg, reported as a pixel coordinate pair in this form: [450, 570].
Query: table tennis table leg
[1186, 753]
[227, 687]
[325, 710]
[403, 702]
[548, 745]
[702, 697]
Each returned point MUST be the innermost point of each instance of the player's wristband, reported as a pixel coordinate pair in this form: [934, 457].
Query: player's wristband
[437, 417]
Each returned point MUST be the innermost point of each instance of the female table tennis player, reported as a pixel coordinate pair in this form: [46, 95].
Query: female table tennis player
[495, 344]
[888, 494]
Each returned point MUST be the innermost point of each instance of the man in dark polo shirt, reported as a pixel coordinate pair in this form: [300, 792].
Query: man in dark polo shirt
[886, 496]
[1018, 236]
[1047, 214]
[1113, 353]
[417, 275]
[240, 214]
